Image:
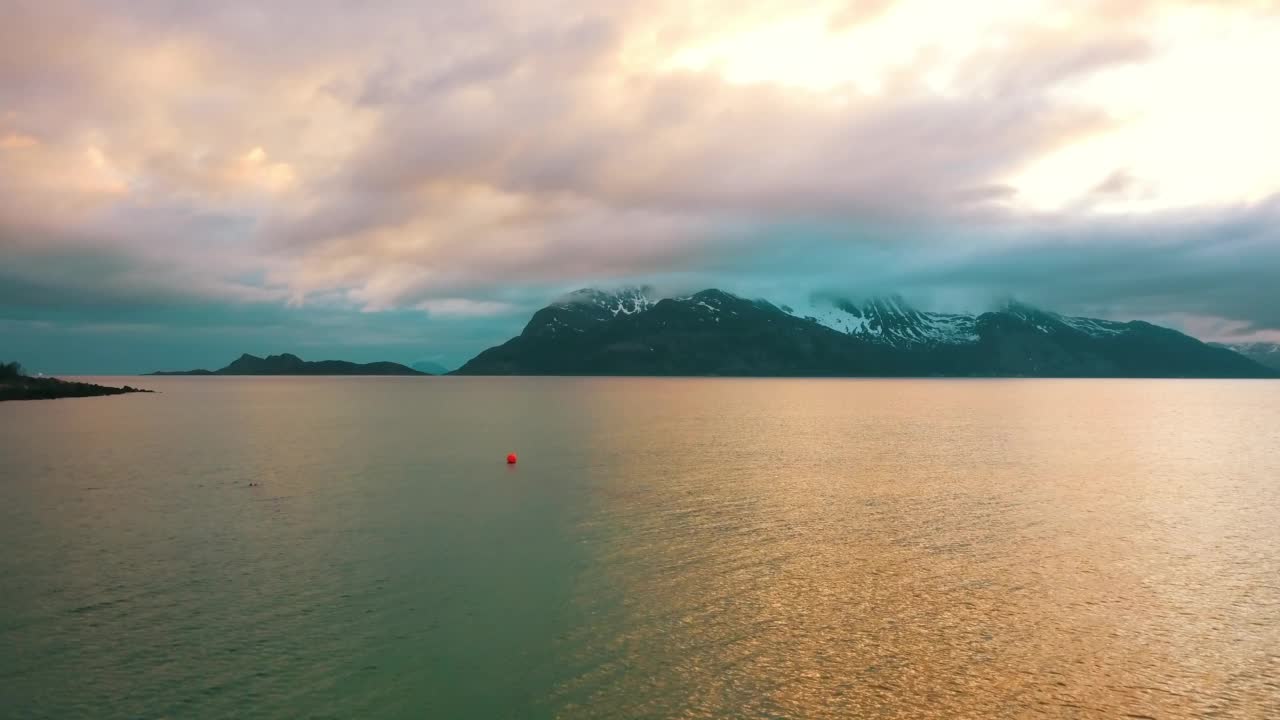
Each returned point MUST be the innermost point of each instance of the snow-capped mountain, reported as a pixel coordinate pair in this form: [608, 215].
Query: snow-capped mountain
[890, 320]
[624, 301]
[712, 332]
[581, 311]
[1265, 353]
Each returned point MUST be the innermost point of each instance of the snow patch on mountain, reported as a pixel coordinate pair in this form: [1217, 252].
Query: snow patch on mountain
[1090, 326]
[623, 301]
[1254, 348]
[1047, 322]
[1267, 353]
[887, 320]
[891, 320]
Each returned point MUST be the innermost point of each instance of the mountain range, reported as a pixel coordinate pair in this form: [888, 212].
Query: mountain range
[712, 332]
[288, 364]
[1264, 353]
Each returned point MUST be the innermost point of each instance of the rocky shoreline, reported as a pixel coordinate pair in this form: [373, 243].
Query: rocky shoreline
[32, 388]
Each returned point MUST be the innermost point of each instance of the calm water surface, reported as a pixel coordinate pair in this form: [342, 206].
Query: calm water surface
[357, 548]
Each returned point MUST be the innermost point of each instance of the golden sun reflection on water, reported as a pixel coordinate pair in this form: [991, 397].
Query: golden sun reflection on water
[929, 549]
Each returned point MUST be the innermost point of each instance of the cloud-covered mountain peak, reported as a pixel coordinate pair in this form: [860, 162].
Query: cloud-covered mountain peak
[626, 300]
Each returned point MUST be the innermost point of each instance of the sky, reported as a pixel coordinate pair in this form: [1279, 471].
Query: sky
[183, 182]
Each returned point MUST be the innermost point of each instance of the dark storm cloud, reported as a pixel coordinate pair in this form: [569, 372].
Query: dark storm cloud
[1220, 264]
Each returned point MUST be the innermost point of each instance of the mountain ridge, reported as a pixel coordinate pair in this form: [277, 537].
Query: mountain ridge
[713, 332]
[290, 364]
[1263, 353]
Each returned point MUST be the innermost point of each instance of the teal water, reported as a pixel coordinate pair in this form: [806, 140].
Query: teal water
[357, 548]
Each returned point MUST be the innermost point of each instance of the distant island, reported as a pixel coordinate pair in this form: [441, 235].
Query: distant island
[16, 385]
[289, 364]
[712, 332]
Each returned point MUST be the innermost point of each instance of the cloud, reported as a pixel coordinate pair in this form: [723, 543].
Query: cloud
[86, 278]
[1195, 262]
[466, 308]
[856, 12]
[17, 141]
[463, 164]
[610, 172]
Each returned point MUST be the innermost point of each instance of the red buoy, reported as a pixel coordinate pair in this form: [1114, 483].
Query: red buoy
[511, 459]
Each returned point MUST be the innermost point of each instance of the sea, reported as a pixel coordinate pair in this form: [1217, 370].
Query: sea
[358, 547]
